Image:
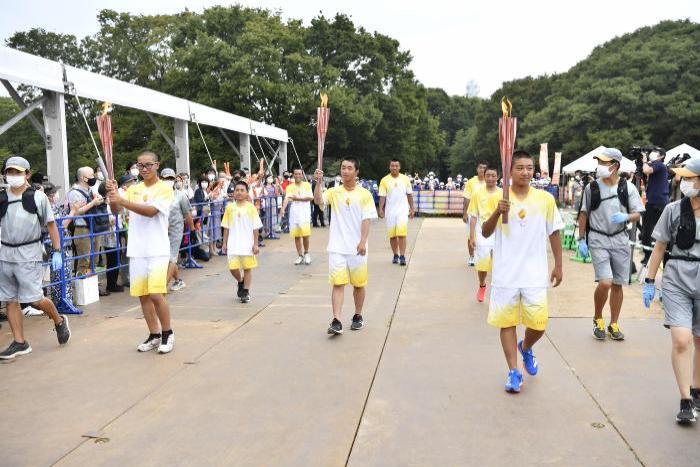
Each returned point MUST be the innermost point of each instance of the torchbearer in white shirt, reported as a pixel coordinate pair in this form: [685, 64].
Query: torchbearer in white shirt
[396, 206]
[148, 248]
[520, 276]
[299, 195]
[352, 207]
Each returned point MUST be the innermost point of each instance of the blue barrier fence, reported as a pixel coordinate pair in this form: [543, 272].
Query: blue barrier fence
[206, 218]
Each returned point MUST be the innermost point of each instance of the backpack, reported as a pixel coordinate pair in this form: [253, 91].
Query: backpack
[28, 204]
[596, 200]
[99, 223]
[685, 235]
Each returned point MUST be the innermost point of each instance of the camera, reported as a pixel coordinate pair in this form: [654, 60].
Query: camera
[678, 160]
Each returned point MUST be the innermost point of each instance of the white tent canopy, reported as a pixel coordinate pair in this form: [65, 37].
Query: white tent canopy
[587, 163]
[682, 149]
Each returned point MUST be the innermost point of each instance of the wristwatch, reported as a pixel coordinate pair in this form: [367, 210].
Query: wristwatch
[649, 281]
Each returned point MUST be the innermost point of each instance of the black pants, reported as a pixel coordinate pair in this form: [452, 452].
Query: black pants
[649, 219]
[317, 215]
[112, 274]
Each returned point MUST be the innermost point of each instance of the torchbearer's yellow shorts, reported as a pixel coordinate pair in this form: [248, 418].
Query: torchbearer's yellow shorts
[396, 224]
[242, 262]
[300, 230]
[347, 268]
[148, 275]
[511, 306]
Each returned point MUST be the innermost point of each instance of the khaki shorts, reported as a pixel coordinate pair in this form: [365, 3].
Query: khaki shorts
[21, 282]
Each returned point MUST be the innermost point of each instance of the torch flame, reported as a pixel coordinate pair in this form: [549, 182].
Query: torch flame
[506, 107]
[106, 108]
[324, 100]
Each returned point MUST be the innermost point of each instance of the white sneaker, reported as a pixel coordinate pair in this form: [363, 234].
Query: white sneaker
[299, 260]
[307, 258]
[168, 346]
[31, 311]
[178, 285]
[149, 344]
[471, 261]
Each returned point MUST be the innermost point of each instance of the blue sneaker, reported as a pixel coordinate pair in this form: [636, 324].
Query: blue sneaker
[529, 360]
[514, 381]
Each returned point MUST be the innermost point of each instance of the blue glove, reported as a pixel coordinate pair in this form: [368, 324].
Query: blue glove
[583, 248]
[648, 294]
[56, 261]
[619, 218]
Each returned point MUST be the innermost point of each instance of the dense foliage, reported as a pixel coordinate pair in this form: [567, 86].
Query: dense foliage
[636, 89]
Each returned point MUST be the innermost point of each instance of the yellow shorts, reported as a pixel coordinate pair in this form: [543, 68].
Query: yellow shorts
[511, 306]
[483, 257]
[242, 262]
[396, 225]
[148, 275]
[347, 268]
[300, 230]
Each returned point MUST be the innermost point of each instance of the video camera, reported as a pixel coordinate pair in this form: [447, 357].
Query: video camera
[678, 160]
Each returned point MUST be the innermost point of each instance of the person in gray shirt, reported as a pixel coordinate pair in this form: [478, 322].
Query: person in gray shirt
[180, 212]
[678, 230]
[607, 206]
[22, 217]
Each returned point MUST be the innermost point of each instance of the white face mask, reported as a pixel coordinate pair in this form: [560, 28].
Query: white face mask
[688, 189]
[211, 177]
[15, 181]
[204, 185]
[653, 156]
[603, 171]
[134, 171]
[178, 185]
[100, 177]
[170, 183]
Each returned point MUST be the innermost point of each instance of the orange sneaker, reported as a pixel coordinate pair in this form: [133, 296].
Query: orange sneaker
[481, 293]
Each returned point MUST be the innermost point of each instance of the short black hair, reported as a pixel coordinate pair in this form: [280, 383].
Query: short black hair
[149, 153]
[297, 168]
[492, 168]
[352, 160]
[522, 154]
[393, 159]
[241, 182]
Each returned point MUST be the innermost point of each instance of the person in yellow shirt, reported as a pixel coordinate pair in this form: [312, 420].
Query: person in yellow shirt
[482, 204]
[299, 195]
[352, 207]
[396, 206]
[241, 223]
[520, 270]
[148, 248]
[473, 185]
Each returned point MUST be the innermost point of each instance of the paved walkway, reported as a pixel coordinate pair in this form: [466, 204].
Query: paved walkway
[263, 384]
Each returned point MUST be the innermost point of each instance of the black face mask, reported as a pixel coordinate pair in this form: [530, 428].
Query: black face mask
[91, 181]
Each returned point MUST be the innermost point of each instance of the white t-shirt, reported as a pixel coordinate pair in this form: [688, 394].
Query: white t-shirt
[299, 211]
[395, 189]
[349, 209]
[520, 252]
[148, 236]
[241, 222]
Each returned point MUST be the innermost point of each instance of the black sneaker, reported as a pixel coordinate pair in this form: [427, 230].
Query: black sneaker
[695, 395]
[15, 349]
[395, 260]
[336, 327]
[245, 296]
[687, 413]
[240, 289]
[63, 331]
[357, 323]
[402, 260]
